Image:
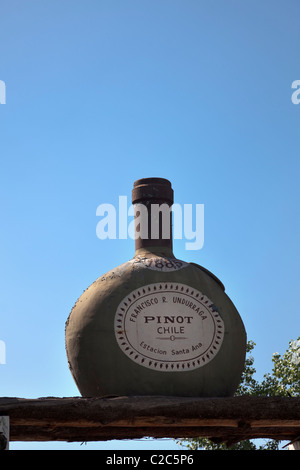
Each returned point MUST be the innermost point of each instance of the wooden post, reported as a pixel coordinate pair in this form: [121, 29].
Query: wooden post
[4, 432]
[294, 446]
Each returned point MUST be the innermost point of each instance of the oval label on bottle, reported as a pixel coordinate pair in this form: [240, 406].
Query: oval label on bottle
[169, 327]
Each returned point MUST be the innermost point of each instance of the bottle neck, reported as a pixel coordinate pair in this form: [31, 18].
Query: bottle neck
[153, 227]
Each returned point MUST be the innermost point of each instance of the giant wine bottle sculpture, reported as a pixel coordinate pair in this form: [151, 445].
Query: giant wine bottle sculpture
[155, 325]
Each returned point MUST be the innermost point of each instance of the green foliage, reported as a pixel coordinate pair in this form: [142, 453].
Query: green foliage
[284, 380]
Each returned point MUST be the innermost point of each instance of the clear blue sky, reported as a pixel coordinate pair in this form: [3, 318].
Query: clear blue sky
[100, 93]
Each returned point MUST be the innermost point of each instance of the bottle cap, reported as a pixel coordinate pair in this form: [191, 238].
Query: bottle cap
[152, 188]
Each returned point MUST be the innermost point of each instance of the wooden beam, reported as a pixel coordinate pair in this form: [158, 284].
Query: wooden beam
[104, 418]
